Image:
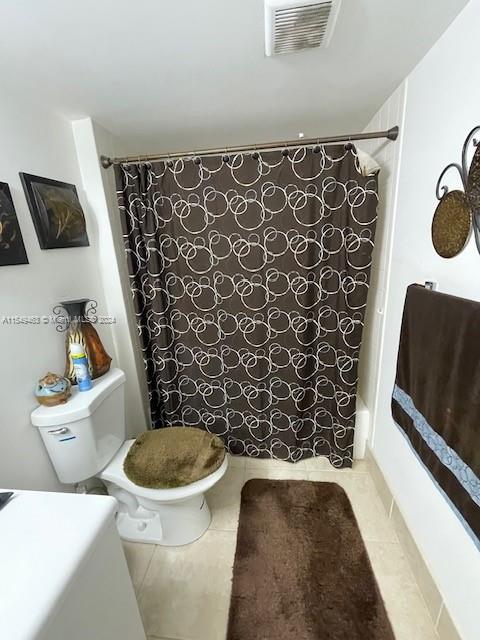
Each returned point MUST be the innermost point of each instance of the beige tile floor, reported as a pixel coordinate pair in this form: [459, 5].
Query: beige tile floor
[184, 592]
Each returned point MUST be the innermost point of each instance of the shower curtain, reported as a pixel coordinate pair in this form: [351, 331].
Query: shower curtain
[249, 275]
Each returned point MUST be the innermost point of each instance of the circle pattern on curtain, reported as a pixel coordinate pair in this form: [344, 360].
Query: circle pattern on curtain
[249, 275]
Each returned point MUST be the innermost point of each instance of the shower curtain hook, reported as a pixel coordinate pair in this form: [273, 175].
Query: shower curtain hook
[317, 148]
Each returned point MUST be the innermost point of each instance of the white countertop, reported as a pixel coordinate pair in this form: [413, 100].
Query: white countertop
[44, 538]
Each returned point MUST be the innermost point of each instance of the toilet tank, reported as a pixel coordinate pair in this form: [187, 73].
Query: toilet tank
[82, 435]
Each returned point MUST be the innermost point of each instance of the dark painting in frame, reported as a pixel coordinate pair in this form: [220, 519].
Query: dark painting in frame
[12, 249]
[56, 212]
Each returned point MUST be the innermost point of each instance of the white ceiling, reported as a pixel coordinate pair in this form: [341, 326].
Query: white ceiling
[184, 74]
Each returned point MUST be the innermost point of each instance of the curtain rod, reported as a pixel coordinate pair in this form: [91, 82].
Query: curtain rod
[389, 134]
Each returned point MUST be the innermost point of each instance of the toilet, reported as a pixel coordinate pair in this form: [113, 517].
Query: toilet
[85, 438]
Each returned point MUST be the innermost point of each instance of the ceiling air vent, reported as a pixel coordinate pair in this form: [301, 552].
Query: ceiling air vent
[295, 25]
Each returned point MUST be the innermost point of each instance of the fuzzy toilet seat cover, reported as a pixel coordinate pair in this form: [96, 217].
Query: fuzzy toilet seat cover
[173, 457]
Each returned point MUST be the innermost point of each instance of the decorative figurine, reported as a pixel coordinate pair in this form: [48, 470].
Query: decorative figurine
[52, 390]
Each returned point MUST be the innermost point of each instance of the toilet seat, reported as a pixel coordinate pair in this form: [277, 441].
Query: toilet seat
[96, 448]
[114, 473]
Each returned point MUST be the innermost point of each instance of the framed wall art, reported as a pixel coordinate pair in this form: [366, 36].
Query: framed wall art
[56, 212]
[12, 249]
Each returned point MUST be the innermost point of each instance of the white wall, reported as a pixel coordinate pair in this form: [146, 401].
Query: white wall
[91, 141]
[387, 154]
[38, 142]
[442, 105]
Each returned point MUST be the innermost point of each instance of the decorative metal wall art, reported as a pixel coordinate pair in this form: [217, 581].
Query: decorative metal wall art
[451, 224]
[458, 211]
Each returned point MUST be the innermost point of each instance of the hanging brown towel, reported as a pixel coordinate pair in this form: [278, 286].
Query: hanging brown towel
[436, 398]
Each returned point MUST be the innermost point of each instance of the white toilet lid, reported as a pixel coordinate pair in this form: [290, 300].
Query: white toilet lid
[114, 472]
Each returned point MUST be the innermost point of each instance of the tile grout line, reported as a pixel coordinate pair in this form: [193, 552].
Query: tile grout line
[238, 520]
[437, 621]
[419, 589]
[383, 542]
[140, 587]
[414, 574]
[414, 580]
[411, 566]
[163, 637]
[422, 597]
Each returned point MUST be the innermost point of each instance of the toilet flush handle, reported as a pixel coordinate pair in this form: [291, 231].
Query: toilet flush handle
[59, 432]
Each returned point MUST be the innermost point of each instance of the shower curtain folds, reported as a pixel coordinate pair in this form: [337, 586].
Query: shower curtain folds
[249, 275]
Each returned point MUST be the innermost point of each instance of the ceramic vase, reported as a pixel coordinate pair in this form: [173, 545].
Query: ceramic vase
[81, 331]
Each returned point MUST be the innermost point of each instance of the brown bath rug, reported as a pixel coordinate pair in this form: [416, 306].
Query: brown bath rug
[301, 570]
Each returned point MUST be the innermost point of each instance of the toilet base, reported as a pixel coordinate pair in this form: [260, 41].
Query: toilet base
[168, 524]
